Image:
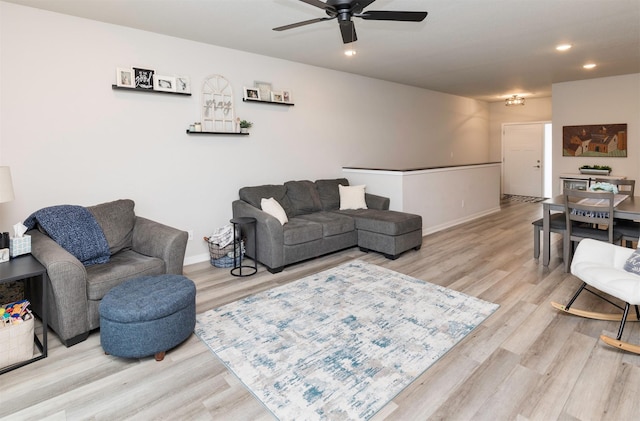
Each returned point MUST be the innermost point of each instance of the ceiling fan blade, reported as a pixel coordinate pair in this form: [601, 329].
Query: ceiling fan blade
[393, 15]
[303, 23]
[348, 31]
[318, 3]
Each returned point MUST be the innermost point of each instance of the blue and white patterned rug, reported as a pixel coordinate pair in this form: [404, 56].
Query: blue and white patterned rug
[340, 344]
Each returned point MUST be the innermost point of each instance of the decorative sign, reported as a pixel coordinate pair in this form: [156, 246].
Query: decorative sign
[218, 113]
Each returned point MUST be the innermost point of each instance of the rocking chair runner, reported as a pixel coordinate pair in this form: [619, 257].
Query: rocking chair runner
[600, 265]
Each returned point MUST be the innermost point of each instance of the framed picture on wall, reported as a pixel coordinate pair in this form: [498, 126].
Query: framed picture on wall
[143, 78]
[286, 96]
[252, 94]
[595, 140]
[277, 97]
[164, 83]
[264, 88]
[183, 84]
[124, 77]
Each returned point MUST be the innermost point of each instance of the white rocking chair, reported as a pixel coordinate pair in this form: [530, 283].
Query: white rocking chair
[600, 265]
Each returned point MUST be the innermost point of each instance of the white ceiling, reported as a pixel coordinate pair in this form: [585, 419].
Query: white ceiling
[482, 49]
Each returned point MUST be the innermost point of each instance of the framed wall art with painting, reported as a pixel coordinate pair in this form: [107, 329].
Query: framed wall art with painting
[595, 140]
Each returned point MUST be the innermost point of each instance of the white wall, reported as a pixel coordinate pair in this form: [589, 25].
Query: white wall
[534, 109]
[70, 138]
[608, 100]
[429, 192]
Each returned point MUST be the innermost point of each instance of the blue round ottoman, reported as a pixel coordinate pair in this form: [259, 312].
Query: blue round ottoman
[147, 316]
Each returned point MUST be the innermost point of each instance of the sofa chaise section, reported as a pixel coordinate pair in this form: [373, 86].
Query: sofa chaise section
[316, 225]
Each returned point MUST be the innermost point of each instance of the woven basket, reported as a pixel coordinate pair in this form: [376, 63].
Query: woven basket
[17, 342]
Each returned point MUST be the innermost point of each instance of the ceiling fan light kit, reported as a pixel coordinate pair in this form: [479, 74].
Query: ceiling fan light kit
[344, 10]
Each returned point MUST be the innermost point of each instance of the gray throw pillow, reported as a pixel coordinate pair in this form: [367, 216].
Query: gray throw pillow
[303, 197]
[254, 195]
[329, 193]
[633, 263]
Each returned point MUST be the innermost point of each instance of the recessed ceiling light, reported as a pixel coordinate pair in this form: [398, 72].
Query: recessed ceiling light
[563, 47]
[349, 53]
[589, 66]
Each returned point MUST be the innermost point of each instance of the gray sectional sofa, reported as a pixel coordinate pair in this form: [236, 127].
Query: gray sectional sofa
[316, 225]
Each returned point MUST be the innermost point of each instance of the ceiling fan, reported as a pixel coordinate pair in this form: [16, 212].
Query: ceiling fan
[344, 10]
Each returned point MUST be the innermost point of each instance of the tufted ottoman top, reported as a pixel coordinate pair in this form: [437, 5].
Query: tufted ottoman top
[147, 298]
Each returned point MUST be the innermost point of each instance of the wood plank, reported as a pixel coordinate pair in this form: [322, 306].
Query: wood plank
[528, 361]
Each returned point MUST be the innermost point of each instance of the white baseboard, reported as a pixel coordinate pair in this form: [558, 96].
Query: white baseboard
[196, 259]
[449, 224]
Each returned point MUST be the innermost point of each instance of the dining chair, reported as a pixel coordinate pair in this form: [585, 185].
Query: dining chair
[630, 230]
[624, 186]
[586, 214]
[557, 224]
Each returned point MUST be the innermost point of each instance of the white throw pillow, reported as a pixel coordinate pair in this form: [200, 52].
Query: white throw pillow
[273, 208]
[352, 197]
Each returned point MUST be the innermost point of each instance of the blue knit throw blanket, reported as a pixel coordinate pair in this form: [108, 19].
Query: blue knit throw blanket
[75, 229]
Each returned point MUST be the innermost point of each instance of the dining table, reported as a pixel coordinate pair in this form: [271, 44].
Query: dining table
[629, 208]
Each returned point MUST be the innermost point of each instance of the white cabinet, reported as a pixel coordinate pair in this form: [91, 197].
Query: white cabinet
[583, 181]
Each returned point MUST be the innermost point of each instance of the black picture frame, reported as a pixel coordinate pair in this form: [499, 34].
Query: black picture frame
[143, 78]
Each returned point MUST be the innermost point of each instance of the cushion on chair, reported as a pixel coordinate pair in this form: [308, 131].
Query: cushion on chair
[628, 229]
[557, 221]
[601, 265]
[124, 265]
[116, 219]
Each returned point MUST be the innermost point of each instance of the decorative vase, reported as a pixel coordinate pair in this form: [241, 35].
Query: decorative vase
[244, 130]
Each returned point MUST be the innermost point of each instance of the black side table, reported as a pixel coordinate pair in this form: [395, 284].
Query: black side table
[238, 223]
[24, 268]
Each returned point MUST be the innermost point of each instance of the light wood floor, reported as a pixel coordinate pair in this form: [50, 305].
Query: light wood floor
[526, 362]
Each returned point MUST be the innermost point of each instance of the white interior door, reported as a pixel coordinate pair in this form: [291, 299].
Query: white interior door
[522, 159]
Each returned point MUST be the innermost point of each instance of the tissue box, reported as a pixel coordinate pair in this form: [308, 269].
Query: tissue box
[20, 245]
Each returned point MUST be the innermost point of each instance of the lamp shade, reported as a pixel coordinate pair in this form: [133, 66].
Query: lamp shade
[6, 185]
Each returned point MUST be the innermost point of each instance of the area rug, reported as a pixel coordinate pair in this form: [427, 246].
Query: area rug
[525, 199]
[340, 344]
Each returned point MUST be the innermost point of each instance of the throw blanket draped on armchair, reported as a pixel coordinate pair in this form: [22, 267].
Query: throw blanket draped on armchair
[75, 229]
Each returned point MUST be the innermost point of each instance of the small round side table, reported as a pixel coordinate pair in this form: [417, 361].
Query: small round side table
[238, 223]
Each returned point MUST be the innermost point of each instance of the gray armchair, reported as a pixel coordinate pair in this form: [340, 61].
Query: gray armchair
[138, 247]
